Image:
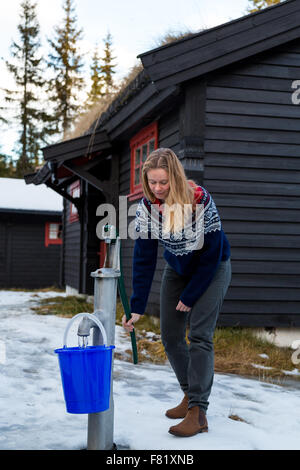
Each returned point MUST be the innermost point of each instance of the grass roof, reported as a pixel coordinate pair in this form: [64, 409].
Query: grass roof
[108, 105]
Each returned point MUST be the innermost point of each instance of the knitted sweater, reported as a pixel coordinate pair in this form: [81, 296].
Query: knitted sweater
[198, 265]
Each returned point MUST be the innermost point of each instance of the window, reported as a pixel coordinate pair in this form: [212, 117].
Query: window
[53, 235]
[141, 145]
[75, 193]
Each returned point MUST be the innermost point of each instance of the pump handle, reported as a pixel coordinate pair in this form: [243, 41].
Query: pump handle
[91, 317]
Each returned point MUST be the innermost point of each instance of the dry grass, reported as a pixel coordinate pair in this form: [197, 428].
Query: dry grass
[236, 349]
[171, 36]
[237, 418]
[45, 289]
[86, 120]
[63, 306]
[151, 351]
[147, 333]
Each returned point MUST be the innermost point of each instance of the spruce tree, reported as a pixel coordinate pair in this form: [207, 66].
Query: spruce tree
[66, 63]
[3, 166]
[26, 69]
[107, 67]
[96, 91]
[7, 168]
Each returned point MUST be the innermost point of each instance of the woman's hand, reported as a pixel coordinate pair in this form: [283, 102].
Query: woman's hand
[128, 325]
[182, 307]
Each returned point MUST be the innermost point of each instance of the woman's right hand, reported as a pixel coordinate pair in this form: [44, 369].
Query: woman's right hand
[128, 325]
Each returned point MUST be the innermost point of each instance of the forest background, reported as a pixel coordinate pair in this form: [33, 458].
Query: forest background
[52, 77]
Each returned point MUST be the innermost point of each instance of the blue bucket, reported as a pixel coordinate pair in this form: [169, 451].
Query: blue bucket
[86, 374]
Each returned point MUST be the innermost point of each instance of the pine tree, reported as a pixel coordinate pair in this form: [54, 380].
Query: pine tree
[26, 69]
[66, 63]
[107, 67]
[3, 166]
[260, 4]
[7, 168]
[96, 90]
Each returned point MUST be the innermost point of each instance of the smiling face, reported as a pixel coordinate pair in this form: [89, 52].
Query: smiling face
[158, 181]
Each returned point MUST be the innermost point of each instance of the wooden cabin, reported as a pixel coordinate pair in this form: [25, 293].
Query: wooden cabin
[30, 235]
[224, 101]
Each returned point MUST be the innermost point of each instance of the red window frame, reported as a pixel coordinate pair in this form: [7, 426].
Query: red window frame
[74, 191]
[53, 241]
[141, 145]
[102, 253]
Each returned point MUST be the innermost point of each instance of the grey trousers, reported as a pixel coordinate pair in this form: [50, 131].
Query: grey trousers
[193, 364]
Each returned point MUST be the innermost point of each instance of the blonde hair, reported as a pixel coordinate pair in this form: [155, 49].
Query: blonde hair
[181, 190]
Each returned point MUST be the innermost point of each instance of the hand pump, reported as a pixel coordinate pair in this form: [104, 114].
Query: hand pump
[107, 278]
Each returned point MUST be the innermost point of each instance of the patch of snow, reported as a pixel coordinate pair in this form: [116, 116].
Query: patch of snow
[259, 366]
[291, 372]
[264, 356]
[33, 414]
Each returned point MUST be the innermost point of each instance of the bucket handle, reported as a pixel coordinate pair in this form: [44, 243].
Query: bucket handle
[91, 317]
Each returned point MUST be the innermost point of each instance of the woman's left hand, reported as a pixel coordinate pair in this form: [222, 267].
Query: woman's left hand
[182, 307]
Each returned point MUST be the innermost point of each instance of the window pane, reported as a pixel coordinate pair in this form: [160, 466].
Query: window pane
[151, 145]
[73, 209]
[53, 231]
[137, 157]
[76, 192]
[144, 152]
[137, 176]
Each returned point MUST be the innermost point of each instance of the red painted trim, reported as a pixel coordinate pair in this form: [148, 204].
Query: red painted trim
[48, 240]
[144, 136]
[73, 216]
[102, 253]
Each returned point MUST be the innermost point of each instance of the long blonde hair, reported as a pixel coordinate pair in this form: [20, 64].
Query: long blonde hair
[181, 190]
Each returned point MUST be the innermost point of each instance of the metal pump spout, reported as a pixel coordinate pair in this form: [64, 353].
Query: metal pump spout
[84, 329]
[85, 326]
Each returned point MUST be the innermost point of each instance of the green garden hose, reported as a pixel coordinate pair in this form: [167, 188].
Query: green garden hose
[124, 299]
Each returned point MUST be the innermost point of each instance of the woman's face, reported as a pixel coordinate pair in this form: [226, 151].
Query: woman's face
[158, 181]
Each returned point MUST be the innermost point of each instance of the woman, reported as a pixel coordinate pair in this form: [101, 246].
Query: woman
[194, 282]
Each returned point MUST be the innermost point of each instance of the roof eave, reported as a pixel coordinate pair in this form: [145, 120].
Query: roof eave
[79, 146]
[222, 45]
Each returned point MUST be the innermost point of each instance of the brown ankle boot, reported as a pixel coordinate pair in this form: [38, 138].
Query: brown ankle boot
[194, 422]
[179, 411]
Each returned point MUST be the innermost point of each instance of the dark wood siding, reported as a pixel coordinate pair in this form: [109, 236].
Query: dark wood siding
[25, 261]
[91, 243]
[72, 237]
[252, 169]
[168, 135]
[5, 252]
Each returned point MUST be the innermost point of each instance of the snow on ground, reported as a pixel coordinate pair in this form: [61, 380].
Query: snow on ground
[33, 415]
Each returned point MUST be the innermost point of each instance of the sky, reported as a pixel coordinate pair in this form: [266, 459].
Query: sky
[135, 27]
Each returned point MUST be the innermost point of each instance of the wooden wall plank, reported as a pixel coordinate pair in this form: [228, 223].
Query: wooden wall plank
[252, 163]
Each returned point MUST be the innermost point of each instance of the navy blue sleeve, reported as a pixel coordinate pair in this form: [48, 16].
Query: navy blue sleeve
[208, 261]
[143, 268]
